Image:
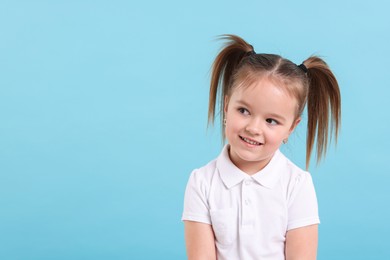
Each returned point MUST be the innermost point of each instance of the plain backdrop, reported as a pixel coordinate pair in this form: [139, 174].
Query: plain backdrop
[103, 112]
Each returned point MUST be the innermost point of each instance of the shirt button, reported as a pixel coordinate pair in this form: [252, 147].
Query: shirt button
[248, 182]
[247, 202]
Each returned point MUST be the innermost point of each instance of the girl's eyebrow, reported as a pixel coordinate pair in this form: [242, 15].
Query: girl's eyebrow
[242, 102]
[277, 116]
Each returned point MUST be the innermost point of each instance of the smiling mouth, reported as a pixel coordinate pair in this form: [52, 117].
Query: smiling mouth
[249, 141]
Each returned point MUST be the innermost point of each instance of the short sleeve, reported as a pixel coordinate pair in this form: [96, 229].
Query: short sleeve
[303, 207]
[196, 206]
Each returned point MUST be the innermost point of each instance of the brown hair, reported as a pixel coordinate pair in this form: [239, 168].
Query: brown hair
[238, 65]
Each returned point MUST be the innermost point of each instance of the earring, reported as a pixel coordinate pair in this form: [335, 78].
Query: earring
[224, 121]
[285, 141]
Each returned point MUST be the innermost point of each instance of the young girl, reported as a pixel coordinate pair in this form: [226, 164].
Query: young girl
[251, 202]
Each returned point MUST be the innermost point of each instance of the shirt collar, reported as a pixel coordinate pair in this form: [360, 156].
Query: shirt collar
[270, 174]
[232, 175]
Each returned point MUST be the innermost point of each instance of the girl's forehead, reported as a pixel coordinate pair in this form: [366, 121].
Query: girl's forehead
[265, 94]
[263, 86]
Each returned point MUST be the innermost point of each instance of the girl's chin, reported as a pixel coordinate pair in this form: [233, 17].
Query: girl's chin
[248, 162]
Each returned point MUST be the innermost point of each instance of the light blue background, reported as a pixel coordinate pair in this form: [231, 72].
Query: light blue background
[103, 109]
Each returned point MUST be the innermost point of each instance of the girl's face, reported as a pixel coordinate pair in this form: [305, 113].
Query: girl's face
[258, 119]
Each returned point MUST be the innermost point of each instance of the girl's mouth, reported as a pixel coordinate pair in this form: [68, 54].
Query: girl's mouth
[249, 141]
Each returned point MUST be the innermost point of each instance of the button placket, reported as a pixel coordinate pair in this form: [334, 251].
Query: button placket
[247, 207]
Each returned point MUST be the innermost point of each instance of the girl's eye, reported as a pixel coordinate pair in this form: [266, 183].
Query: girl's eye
[243, 111]
[272, 121]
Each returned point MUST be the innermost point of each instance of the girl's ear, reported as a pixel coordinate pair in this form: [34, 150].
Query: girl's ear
[225, 104]
[294, 125]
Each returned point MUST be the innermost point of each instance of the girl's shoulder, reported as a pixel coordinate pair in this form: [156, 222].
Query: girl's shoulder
[295, 180]
[290, 169]
[292, 176]
[204, 173]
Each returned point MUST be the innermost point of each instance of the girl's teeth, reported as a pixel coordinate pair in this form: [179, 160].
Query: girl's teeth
[250, 141]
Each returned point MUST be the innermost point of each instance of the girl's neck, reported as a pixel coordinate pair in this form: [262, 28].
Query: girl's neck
[248, 167]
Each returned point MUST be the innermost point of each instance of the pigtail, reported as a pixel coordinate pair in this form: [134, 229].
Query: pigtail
[323, 106]
[224, 66]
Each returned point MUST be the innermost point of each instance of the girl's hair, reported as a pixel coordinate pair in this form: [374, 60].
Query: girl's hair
[237, 65]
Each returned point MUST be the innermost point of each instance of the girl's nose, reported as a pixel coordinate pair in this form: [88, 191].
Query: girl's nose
[254, 127]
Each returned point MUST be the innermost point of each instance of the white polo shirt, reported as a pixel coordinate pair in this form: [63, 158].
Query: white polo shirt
[250, 215]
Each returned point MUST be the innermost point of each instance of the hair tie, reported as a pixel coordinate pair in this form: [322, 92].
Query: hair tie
[303, 67]
[252, 52]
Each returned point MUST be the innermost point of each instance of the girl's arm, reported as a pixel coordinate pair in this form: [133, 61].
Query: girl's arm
[200, 241]
[301, 243]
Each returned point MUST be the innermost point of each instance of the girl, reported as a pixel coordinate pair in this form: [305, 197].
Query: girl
[252, 202]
